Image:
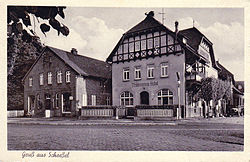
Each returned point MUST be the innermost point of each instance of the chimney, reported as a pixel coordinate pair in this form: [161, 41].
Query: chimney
[74, 51]
[176, 26]
[150, 14]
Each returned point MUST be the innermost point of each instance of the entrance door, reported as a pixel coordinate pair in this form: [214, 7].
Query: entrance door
[31, 103]
[47, 102]
[66, 102]
[144, 98]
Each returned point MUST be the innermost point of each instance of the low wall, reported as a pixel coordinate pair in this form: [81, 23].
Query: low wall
[15, 113]
[97, 112]
[155, 113]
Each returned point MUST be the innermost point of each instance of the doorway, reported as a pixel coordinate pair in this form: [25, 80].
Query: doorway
[144, 98]
[47, 102]
[66, 102]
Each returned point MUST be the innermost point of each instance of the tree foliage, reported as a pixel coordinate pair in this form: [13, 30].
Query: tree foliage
[214, 89]
[18, 16]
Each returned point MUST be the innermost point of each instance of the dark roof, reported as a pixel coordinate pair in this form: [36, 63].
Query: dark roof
[194, 37]
[83, 65]
[224, 73]
[148, 23]
[237, 83]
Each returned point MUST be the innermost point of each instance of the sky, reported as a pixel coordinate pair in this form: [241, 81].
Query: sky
[94, 31]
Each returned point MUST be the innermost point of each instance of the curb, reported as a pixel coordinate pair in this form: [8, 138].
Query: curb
[96, 124]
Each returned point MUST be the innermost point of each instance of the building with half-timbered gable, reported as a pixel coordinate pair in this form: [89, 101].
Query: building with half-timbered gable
[152, 65]
[62, 82]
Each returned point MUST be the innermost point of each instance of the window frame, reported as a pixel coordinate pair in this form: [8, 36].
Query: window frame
[30, 81]
[57, 100]
[41, 79]
[59, 76]
[137, 73]
[164, 73]
[67, 76]
[93, 100]
[125, 74]
[168, 96]
[123, 98]
[49, 77]
[150, 70]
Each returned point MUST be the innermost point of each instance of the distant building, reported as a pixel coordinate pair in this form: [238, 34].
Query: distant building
[150, 59]
[238, 93]
[62, 82]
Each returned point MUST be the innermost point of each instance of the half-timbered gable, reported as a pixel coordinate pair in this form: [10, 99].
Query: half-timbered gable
[147, 39]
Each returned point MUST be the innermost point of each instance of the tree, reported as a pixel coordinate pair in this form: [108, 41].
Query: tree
[18, 16]
[214, 89]
[24, 46]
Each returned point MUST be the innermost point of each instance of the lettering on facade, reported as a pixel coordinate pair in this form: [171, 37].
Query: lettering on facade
[153, 83]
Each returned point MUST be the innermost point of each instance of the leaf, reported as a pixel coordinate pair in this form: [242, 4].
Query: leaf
[44, 28]
[64, 30]
[26, 20]
[55, 24]
[60, 12]
[19, 27]
[43, 12]
[53, 12]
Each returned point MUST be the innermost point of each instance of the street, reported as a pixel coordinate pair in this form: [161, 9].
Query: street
[185, 136]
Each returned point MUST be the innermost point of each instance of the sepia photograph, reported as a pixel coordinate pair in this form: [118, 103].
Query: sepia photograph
[124, 79]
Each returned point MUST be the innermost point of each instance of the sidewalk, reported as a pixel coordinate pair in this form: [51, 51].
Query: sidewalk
[128, 122]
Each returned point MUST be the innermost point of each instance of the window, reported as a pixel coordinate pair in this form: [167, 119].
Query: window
[67, 76]
[150, 71]
[59, 77]
[126, 98]
[93, 100]
[41, 79]
[163, 40]
[107, 100]
[165, 97]
[49, 78]
[57, 100]
[125, 48]
[164, 70]
[150, 43]
[120, 50]
[156, 42]
[125, 74]
[170, 40]
[137, 45]
[30, 81]
[39, 103]
[143, 44]
[137, 73]
[131, 47]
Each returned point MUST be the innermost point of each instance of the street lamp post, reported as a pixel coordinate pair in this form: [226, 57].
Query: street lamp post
[179, 94]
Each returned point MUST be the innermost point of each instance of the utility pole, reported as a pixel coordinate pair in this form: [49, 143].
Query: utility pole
[162, 15]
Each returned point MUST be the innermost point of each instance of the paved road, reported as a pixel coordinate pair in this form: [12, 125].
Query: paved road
[191, 136]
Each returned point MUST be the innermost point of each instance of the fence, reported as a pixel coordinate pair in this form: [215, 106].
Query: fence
[139, 111]
[15, 113]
